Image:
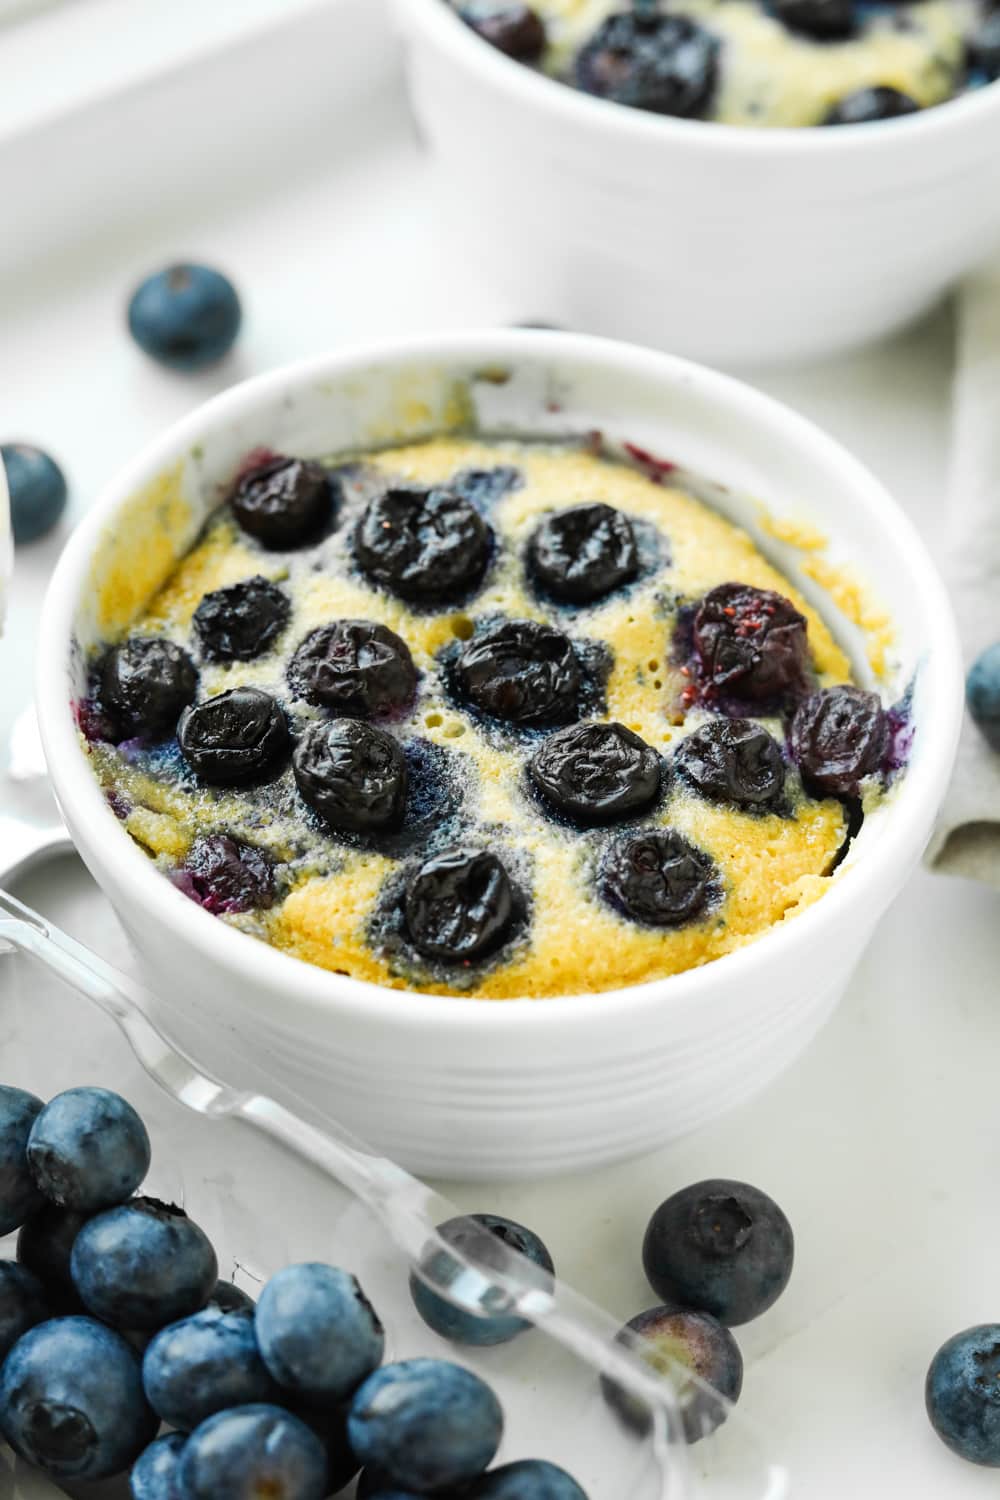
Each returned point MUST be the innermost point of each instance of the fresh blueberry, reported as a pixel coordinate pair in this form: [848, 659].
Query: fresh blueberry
[318, 1334]
[228, 1297]
[514, 29]
[252, 1452]
[963, 1394]
[982, 690]
[596, 773]
[867, 106]
[204, 1364]
[839, 736]
[749, 643]
[235, 737]
[88, 1150]
[329, 1423]
[428, 546]
[984, 48]
[19, 1194]
[826, 20]
[375, 1486]
[425, 1423]
[531, 1479]
[23, 1303]
[676, 1340]
[459, 905]
[37, 488]
[154, 1473]
[657, 878]
[664, 63]
[143, 1265]
[354, 667]
[186, 316]
[284, 502]
[45, 1245]
[732, 760]
[476, 1236]
[352, 774]
[145, 684]
[224, 874]
[723, 1247]
[521, 672]
[581, 554]
[241, 621]
[71, 1400]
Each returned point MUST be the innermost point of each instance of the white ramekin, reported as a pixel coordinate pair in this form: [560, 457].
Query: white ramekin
[465, 1087]
[733, 245]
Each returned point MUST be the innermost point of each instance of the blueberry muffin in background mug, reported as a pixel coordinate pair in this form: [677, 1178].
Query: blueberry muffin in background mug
[493, 718]
[753, 62]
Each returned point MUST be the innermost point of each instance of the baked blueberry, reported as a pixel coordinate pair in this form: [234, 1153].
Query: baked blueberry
[458, 905]
[982, 690]
[675, 1341]
[530, 1479]
[206, 1363]
[354, 667]
[721, 1246]
[240, 622]
[478, 1237]
[657, 878]
[186, 317]
[224, 874]
[284, 502]
[253, 1451]
[352, 774]
[839, 736]
[581, 554]
[963, 1394]
[235, 737]
[827, 20]
[228, 1297]
[664, 63]
[45, 1245]
[19, 1193]
[143, 1265]
[88, 1150]
[71, 1400]
[732, 760]
[520, 671]
[596, 773]
[23, 1303]
[984, 50]
[866, 106]
[749, 643]
[37, 489]
[428, 546]
[146, 683]
[154, 1473]
[514, 29]
[318, 1334]
[426, 1424]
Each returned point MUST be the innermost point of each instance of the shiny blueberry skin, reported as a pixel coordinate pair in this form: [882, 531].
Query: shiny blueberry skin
[354, 667]
[143, 1265]
[428, 546]
[984, 46]
[425, 1423]
[154, 1473]
[732, 760]
[676, 1340]
[146, 683]
[234, 738]
[530, 1479]
[963, 1394]
[241, 621]
[720, 1246]
[88, 1150]
[223, 874]
[582, 554]
[868, 106]
[657, 878]
[521, 672]
[352, 774]
[186, 316]
[251, 1452]
[596, 773]
[826, 20]
[476, 1235]
[839, 736]
[982, 690]
[45, 1245]
[459, 905]
[71, 1400]
[514, 29]
[37, 488]
[19, 1193]
[663, 63]
[285, 502]
[204, 1364]
[750, 644]
[23, 1303]
[318, 1334]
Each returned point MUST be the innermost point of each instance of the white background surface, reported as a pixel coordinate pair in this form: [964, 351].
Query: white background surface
[883, 1143]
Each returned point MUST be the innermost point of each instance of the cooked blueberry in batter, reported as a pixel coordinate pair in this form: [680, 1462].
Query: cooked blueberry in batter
[352, 774]
[354, 667]
[235, 737]
[284, 502]
[657, 877]
[580, 554]
[732, 760]
[430, 546]
[522, 672]
[596, 773]
[459, 905]
[242, 621]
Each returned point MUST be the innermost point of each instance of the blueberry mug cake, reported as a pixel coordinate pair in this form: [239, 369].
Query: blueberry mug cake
[753, 62]
[492, 718]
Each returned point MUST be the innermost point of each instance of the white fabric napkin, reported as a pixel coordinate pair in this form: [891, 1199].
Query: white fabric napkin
[967, 838]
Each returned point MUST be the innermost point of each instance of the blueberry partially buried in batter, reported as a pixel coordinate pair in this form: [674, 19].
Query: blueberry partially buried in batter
[427, 546]
[145, 683]
[596, 773]
[657, 878]
[285, 502]
[839, 736]
[242, 621]
[749, 644]
[520, 672]
[514, 29]
[691, 1351]
[459, 906]
[354, 667]
[580, 555]
[353, 775]
[234, 739]
[667, 64]
[732, 760]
